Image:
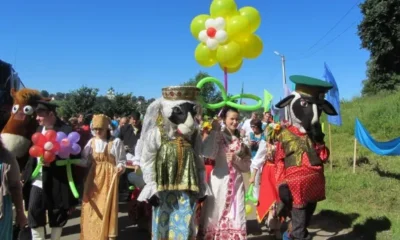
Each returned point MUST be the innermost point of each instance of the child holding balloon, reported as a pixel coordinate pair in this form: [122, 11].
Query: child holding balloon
[107, 159]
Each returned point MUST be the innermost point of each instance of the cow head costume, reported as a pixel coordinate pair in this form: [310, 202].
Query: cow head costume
[306, 105]
[168, 120]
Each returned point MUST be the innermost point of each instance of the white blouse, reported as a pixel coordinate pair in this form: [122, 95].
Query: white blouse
[117, 150]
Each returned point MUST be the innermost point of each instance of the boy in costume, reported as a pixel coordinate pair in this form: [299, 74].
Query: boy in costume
[170, 160]
[301, 153]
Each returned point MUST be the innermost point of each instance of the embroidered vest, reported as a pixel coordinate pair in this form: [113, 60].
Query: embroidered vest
[294, 147]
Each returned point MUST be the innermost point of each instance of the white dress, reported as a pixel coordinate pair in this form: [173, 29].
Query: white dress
[223, 215]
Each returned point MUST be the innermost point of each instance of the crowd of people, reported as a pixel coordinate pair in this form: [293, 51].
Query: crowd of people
[189, 172]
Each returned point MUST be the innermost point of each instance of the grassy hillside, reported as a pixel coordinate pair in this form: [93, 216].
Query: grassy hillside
[369, 200]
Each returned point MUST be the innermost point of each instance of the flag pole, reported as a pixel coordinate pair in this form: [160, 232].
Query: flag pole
[330, 146]
[355, 155]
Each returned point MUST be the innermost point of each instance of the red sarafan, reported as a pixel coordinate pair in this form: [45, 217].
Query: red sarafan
[22, 124]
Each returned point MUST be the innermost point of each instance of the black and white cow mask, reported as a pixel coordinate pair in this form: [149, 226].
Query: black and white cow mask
[181, 114]
[305, 111]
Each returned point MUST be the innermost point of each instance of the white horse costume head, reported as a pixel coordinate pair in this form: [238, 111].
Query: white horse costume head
[307, 103]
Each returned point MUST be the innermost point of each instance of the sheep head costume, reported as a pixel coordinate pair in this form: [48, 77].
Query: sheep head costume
[169, 148]
[306, 105]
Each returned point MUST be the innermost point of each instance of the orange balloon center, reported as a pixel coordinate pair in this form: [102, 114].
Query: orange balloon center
[211, 32]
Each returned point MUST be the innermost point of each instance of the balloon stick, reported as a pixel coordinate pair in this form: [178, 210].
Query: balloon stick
[226, 79]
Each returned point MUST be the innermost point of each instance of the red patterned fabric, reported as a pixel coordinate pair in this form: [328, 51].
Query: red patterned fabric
[306, 183]
[268, 194]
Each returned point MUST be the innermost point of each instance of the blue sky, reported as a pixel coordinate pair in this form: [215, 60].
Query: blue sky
[142, 46]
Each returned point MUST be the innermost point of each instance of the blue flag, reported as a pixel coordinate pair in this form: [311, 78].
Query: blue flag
[333, 97]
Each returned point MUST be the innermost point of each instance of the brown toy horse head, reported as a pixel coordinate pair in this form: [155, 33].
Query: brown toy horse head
[16, 134]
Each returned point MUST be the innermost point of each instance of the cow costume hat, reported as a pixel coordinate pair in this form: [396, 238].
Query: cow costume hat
[301, 152]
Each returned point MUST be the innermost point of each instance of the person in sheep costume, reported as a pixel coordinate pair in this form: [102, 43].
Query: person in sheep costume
[173, 171]
[301, 153]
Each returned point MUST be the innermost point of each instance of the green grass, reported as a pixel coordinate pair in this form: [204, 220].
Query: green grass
[373, 192]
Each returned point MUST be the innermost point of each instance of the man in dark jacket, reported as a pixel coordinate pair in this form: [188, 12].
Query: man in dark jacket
[129, 134]
[49, 190]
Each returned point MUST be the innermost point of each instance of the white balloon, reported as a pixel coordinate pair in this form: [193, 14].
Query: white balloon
[210, 23]
[203, 36]
[212, 43]
[219, 23]
[221, 36]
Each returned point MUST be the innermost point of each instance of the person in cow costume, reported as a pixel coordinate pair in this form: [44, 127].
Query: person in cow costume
[173, 171]
[301, 153]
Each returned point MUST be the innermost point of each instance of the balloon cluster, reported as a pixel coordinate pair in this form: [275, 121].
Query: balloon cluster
[226, 35]
[250, 198]
[68, 144]
[47, 146]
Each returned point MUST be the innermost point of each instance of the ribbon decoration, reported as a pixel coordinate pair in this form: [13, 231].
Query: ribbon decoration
[67, 163]
[249, 195]
[228, 101]
[38, 167]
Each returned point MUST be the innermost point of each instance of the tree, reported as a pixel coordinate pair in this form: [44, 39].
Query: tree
[209, 92]
[44, 93]
[82, 100]
[379, 32]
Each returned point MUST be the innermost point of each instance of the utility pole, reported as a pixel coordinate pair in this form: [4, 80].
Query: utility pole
[283, 60]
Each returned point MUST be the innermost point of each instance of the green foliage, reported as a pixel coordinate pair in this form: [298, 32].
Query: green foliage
[44, 93]
[209, 92]
[79, 101]
[373, 191]
[380, 34]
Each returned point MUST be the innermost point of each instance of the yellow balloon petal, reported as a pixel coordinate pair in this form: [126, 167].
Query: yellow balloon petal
[253, 16]
[232, 69]
[204, 56]
[198, 24]
[252, 46]
[223, 8]
[237, 26]
[229, 54]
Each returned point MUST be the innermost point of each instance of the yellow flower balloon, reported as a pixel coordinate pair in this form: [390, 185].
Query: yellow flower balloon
[253, 16]
[197, 24]
[223, 8]
[231, 69]
[252, 46]
[204, 56]
[230, 54]
[237, 26]
[226, 35]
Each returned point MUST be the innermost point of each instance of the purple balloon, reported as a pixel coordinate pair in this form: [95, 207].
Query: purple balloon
[61, 136]
[63, 153]
[74, 137]
[75, 149]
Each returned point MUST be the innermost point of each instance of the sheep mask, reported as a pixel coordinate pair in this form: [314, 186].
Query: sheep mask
[307, 103]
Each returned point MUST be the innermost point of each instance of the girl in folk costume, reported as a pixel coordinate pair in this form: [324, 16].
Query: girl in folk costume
[22, 124]
[224, 217]
[10, 194]
[170, 160]
[264, 166]
[301, 152]
[99, 219]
